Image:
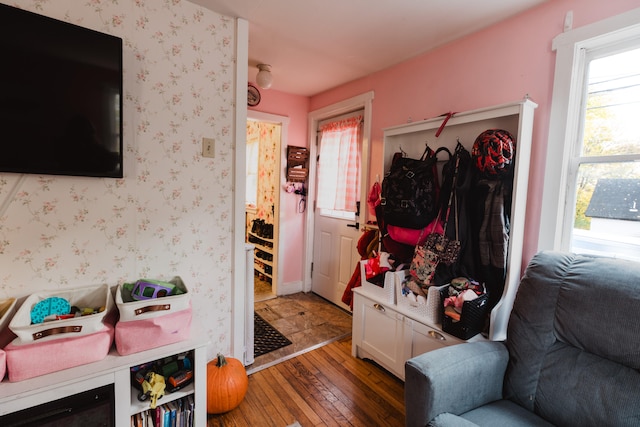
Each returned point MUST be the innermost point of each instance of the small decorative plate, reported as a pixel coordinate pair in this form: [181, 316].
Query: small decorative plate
[253, 96]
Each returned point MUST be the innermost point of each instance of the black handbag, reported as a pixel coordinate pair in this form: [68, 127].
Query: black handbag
[410, 191]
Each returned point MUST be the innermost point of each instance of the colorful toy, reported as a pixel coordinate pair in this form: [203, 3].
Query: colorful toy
[152, 387]
[48, 307]
[149, 289]
[180, 379]
[176, 372]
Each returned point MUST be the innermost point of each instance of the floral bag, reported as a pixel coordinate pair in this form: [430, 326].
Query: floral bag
[437, 247]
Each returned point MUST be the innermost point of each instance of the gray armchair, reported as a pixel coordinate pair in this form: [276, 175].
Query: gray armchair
[571, 358]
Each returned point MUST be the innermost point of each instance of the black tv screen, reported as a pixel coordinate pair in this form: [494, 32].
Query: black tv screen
[60, 97]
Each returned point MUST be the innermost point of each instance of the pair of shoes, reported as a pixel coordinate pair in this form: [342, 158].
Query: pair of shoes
[262, 229]
[264, 255]
[256, 227]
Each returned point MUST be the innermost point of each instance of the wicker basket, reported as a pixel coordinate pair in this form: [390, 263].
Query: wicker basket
[430, 311]
[387, 292]
[472, 318]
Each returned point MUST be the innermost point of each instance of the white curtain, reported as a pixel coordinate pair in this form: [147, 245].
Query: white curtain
[339, 165]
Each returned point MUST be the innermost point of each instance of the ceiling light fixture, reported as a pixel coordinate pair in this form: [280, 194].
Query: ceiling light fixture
[264, 77]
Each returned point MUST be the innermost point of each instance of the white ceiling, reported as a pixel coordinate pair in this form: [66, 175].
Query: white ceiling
[315, 45]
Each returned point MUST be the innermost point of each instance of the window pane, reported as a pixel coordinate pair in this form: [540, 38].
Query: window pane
[611, 122]
[607, 219]
[607, 190]
[346, 215]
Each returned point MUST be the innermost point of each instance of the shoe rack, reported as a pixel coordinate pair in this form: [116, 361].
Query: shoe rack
[261, 236]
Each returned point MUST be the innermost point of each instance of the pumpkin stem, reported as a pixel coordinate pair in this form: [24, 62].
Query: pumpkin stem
[222, 361]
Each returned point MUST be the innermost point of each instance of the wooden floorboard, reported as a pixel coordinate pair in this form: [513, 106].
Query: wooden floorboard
[324, 387]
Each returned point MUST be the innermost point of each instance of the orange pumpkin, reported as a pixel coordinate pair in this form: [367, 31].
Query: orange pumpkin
[227, 384]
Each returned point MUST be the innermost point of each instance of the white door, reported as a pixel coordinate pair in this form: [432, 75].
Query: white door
[335, 256]
[336, 234]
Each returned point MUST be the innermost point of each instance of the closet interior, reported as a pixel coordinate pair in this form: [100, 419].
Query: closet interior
[262, 203]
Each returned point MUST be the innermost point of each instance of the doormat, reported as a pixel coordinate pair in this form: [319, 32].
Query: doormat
[266, 337]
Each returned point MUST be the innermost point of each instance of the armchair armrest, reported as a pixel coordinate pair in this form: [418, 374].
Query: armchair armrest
[453, 379]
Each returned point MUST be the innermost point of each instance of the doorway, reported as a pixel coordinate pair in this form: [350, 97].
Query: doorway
[266, 135]
[337, 207]
[325, 259]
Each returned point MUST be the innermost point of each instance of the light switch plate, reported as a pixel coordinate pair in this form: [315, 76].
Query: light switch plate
[208, 147]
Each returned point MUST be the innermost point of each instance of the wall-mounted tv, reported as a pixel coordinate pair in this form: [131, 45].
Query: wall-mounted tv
[60, 97]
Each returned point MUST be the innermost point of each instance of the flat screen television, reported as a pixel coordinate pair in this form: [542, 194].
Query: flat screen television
[60, 97]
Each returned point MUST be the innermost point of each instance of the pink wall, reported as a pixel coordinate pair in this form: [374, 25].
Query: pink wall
[497, 65]
[291, 222]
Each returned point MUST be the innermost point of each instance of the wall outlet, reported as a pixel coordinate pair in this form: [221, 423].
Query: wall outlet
[208, 147]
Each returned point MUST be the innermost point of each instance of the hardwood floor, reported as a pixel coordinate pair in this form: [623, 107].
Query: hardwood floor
[324, 387]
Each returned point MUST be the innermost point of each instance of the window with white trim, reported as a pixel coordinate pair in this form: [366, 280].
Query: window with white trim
[592, 184]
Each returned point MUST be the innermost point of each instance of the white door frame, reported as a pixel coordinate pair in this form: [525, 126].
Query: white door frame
[283, 121]
[238, 277]
[363, 101]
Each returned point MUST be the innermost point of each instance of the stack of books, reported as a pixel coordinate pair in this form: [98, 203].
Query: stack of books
[177, 413]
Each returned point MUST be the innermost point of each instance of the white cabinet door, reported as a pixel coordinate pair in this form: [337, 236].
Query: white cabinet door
[378, 334]
[387, 335]
[423, 338]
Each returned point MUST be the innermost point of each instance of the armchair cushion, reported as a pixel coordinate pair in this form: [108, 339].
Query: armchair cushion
[449, 420]
[572, 354]
[573, 340]
[453, 379]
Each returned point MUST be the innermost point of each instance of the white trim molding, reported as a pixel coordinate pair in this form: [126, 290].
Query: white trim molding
[364, 101]
[570, 47]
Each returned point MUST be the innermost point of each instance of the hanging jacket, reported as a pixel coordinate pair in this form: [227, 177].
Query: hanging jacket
[367, 244]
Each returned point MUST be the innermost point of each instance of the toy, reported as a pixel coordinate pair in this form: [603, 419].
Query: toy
[153, 387]
[49, 306]
[180, 379]
[175, 372]
[149, 289]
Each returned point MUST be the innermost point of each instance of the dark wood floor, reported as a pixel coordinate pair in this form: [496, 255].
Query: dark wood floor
[324, 387]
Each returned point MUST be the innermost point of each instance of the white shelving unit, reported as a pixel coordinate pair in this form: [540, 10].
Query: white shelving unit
[113, 369]
[517, 118]
[389, 333]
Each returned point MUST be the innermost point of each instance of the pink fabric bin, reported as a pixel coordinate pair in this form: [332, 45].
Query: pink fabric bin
[32, 360]
[3, 364]
[7, 307]
[139, 335]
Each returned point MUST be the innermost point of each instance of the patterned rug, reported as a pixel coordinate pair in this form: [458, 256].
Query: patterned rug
[266, 337]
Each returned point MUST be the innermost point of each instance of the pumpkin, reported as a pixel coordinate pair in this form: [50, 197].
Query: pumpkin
[227, 384]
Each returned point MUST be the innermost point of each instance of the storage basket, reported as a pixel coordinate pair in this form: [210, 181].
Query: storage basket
[472, 318]
[89, 297]
[43, 357]
[387, 292]
[131, 310]
[430, 310]
[152, 322]
[6, 311]
[144, 334]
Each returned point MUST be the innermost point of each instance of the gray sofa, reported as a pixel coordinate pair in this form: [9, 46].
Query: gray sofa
[571, 358]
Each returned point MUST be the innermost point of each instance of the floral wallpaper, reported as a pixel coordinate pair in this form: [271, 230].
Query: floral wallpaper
[268, 166]
[171, 214]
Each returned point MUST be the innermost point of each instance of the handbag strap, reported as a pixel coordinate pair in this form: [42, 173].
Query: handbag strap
[428, 153]
[453, 186]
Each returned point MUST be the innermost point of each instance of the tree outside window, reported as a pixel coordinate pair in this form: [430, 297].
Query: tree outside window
[607, 185]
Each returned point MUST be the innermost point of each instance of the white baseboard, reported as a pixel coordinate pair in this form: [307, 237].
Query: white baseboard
[290, 288]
